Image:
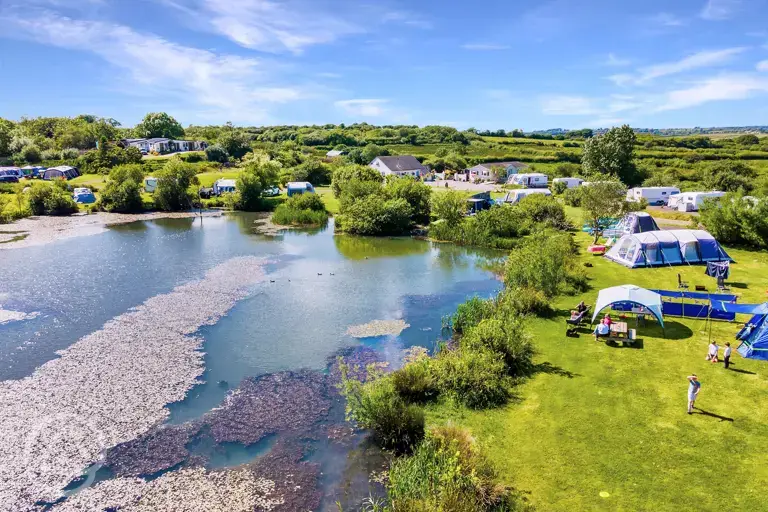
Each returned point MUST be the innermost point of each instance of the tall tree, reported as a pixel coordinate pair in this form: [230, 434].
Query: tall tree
[612, 155]
[602, 200]
[159, 124]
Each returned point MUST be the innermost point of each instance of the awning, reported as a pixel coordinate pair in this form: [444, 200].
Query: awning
[744, 309]
[633, 294]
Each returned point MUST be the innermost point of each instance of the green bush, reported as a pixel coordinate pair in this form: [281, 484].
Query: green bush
[50, 199]
[306, 202]
[216, 153]
[541, 210]
[736, 220]
[193, 157]
[375, 216]
[415, 382]
[504, 336]
[122, 192]
[31, 154]
[475, 377]
[375, 405]
[450, 207]
[173, 184]
[69, 153]
[288, 216]
[416, 193]
[470, 312]
[559, 188]
[572, 196]
[448, 473]
[257, 176]
[527, 301]
[50, 154]
[543, 262]
[730, 176]
[347, 173]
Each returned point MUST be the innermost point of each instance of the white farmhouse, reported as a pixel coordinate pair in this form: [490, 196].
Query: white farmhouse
[406, 165]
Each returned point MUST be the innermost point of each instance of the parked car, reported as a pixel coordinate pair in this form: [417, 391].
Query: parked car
[272, 192]
[8, 179]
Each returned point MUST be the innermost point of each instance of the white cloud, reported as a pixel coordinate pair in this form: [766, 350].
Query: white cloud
[230, 86]
[615, 61]
[363, 107]
[666, 19]
[485, 46]
[721, 88]
[762, 65]
[407, 18]
[702, 59]
[717, 10]
[266, 25]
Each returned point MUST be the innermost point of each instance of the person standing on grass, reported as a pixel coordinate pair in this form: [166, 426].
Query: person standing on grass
[727, 354]
[694, 386]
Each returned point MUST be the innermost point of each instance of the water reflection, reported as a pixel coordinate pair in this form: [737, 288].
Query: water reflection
[360, 248]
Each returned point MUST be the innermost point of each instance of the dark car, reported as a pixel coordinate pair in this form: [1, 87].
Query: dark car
[9, 179]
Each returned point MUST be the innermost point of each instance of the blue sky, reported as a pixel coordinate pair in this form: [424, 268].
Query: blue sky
[488, 64]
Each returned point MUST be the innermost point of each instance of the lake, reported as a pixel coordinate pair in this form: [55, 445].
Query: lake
[317, 286]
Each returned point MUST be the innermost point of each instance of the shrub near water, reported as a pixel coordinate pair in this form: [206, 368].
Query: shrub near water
[122, 193]
[376, 405]
[448, 473]
[473, 376]
[51, 199]
[303, 209]
[544, 262]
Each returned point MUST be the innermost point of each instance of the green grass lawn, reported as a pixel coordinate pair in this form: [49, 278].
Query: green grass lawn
[88, 180]
[207, 179]
[331, 203]
[605, 419]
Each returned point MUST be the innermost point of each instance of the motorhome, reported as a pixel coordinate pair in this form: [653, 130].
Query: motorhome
[569, 182]
[529, 180]
[656, 196]
[515, 196]
[692, 201]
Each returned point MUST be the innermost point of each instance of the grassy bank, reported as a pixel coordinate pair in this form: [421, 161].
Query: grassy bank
[599, 419]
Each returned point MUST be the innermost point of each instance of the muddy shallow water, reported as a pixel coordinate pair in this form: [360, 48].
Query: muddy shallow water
[266, 402]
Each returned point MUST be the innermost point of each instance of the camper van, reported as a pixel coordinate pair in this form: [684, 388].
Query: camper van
[150, 184]
[529, 180]
[656, 196]
[692, 201]
[515, 196]
[569, 182]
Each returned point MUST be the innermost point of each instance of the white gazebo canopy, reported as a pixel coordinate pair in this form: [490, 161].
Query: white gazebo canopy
[630, 293]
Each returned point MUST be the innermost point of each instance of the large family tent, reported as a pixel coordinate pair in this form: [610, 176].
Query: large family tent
[627, 294]
[754, 335]
[631, 223]
[64, 172]
[673, 247]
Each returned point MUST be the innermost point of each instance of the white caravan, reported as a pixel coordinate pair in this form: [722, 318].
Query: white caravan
[529, 180]
[655, 196]
[692, 201]
[515, 196]
[569, 182]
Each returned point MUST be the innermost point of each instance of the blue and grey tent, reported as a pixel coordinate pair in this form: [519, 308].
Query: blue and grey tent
[631, 223]
[754, 335]
[674, 247]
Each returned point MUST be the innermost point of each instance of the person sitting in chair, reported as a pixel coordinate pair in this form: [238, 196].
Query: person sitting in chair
[603, 330]
[581, 307]
[607, 319]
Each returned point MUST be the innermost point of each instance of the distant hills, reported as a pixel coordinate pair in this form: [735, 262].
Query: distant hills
[674, 131]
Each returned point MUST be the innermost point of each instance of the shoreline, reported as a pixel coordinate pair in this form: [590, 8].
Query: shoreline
[43, 230]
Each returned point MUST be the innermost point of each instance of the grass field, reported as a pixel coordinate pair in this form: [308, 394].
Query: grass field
[605, 419]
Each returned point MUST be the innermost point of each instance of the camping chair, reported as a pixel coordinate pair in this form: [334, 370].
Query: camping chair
[573, 324]
[681, 285]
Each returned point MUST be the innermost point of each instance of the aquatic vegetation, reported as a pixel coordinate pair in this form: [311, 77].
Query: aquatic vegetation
[110, 386]
[183, 490]
[378, 328]
[158, 450]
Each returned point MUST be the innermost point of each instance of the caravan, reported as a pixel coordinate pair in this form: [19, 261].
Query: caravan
[529, 180]
[656, 196]
[569, 182]
[692, 201]
[515, 196]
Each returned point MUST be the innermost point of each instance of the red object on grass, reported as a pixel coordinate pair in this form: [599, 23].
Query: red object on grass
[596, 249]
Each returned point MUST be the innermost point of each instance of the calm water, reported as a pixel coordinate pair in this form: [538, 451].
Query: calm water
[322, 285]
